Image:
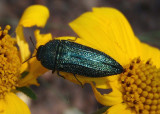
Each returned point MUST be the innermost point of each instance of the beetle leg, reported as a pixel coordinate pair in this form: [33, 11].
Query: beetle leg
[60, 75]
[78, 80]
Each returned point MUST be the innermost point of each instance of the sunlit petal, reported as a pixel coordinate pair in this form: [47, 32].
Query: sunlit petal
[13, 105]
[118, 109]
[113, 98]
[35, 15]
[152, 53]
[23, 45]
[35, 70]
[42, 39]
[24, 67]
[108, 30]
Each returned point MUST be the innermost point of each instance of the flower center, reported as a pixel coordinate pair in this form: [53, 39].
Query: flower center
[141, 87]
[9, 63]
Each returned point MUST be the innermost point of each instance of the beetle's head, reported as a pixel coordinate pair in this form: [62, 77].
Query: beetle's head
[47, 55]
[39, 54]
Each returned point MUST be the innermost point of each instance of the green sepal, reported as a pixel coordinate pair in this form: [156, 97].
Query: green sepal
[102, 110]
[24, 74]
[27, 91]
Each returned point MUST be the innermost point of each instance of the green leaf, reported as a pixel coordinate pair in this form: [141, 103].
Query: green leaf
[27, 91]
[24, 74]
[102, 110]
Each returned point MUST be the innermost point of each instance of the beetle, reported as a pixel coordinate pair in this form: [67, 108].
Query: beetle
[71, 57]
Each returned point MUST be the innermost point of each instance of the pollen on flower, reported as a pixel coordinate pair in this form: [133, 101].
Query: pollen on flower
[9, 63]
[141, 87]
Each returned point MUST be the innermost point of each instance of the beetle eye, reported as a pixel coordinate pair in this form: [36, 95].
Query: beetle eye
[39, 54]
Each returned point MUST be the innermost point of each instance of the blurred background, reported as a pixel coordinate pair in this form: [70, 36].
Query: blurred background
[59, 96]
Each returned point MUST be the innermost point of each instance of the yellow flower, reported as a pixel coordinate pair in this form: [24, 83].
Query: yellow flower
[11, 60]
[137, 89]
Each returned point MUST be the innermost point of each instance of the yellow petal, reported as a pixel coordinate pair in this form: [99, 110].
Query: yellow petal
[109, 30]
[23, 45]
[100, 82]
[152, 53]
[24, 67]
[102, 85]
[42, 39]
[13, 105]
[113, 98]
[35, 70]
[118, 109]
[110, 82]
[35, 15]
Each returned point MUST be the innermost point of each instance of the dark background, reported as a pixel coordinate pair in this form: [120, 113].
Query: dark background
[56, 95]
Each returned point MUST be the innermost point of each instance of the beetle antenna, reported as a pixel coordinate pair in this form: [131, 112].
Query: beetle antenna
[32, 42]
[28, 59]
[31, 55]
